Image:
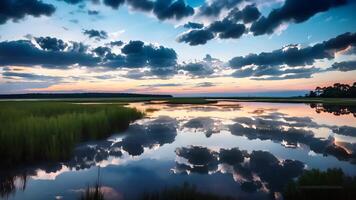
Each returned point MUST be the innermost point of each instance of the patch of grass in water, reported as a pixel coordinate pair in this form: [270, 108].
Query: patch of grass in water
[189, 101]
[48, 131]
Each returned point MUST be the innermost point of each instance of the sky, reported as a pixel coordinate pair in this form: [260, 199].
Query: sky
[179, 47]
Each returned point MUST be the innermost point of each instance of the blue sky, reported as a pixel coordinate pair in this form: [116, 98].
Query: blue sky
[127, 23]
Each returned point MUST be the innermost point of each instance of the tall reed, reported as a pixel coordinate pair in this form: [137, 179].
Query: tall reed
[48, 131]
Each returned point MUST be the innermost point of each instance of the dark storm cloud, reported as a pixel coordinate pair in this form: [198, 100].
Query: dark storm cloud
[296, 11]
[294, 56]
[345, 66]
[51, 44]
[215, 7]
[24, 53]
[196, 37]
[193, 25]
[18, 9]
[96, 34]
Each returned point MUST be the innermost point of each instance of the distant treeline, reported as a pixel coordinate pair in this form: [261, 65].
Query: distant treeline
[79, 95]
[338, 90]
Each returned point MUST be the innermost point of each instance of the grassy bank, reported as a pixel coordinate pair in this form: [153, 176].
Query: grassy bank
[36, 131]
[334, 101]
[316, 184]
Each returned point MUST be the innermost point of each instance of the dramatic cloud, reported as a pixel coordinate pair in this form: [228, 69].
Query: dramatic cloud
[259, 166]
[296, 11]
[204, 68]
[51, 44]
[292, 55]
[138, 54]
[24, 53]
[96, 34]
[155, 133]
[214, 8]
[162, 9]
[275, 73]
[249, 14]
[230, 27]
[196, 37]
[293, 62]
[227, 29]
[30, 76]
[54, 53]
[167, 9]
[114, 3]
[193, 25]
[116, 43]
[101, 51]
[345, 66]
[291, 131]
[18, 9]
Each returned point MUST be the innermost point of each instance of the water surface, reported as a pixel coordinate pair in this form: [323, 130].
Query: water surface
[238, 149]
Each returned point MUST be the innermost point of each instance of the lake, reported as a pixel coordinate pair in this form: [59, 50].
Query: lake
[229, 149]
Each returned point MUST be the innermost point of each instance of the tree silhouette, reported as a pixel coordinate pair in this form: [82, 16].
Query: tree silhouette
[338, 90]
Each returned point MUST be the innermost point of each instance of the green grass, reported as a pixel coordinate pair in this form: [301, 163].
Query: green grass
[334, 101]
[48, 131]
[316, 184]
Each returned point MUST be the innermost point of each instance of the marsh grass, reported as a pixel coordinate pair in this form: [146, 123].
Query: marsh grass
[48, 131]
[316, 184]
[94, 193]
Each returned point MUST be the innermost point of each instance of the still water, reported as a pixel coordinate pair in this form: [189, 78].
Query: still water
[237, 149]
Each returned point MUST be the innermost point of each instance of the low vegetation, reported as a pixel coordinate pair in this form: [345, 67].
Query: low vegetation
[316, 184]
[38, 131]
